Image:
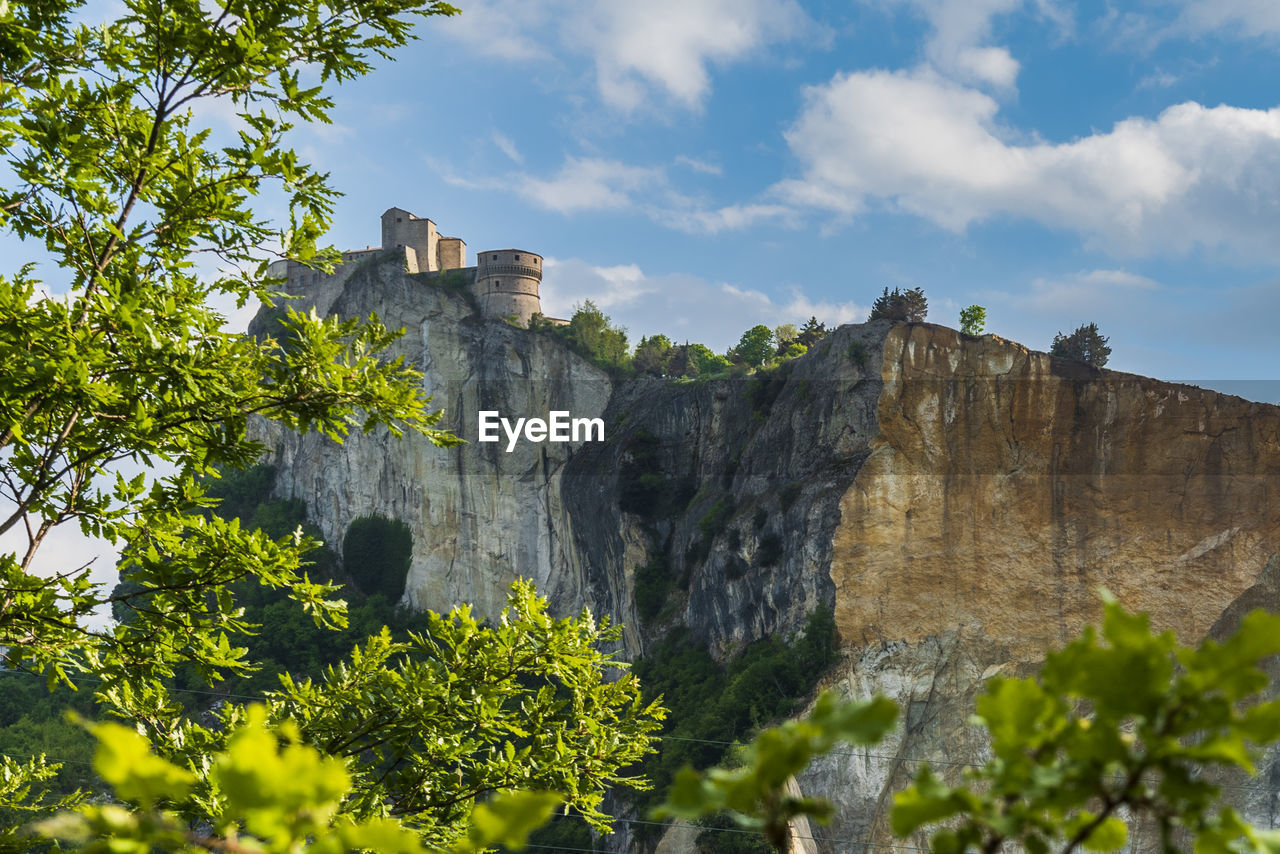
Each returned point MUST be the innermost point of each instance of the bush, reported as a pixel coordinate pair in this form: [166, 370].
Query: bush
[714, 521]
[910, 305]
[857, 352]
[770, 550]
[1086, 345]
[376, 553]
[653, 585]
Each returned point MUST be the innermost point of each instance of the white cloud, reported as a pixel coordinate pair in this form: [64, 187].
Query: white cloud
[664, 46]
[726, 218]
[958, 44]
[590, 184]
[679, 305]
[507, 147]
[929, 146]
[698, 165]
[1256, 18]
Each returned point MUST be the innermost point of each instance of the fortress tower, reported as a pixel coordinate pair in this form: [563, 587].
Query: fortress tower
[507, 283]
[426, 251]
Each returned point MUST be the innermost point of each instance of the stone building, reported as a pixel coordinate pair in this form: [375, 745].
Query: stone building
[505, 282]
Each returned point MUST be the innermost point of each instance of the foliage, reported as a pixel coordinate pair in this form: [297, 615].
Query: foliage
[712, 706]
[812, 332]
[714, 521]
[114, 179]
[753, 791]
[784, 334]
[592, 334]
[654, 583]
[857, 352]
[274, 793]
[707, 361]
[111, 175]
[376, 553]
[770, 550]
[1086, 345]
[755, 347]
[1117, 730]
[722, 835]
[651, 355]
[973, 319]
[910, 305]
[429, 726]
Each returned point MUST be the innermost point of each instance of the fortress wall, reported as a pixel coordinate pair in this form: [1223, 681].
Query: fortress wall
[451, 253]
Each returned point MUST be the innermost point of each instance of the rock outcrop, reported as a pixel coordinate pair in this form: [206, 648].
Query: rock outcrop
[958, 501]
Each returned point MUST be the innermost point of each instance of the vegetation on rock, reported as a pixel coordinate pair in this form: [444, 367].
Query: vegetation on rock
[1118, 730]
[1086, 345]
[910, 305]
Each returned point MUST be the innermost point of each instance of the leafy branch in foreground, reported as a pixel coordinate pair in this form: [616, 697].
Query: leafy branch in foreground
[115, 187]
[431, 726]
[278, 796]
[1114, 731]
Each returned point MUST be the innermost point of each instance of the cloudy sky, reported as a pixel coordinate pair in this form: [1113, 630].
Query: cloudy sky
[698, 166]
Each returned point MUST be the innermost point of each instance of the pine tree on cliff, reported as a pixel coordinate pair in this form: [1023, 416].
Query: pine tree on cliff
[1086, 345]
[910, 305]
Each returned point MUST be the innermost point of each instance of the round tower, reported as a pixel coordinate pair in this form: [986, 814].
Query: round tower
[507, 284]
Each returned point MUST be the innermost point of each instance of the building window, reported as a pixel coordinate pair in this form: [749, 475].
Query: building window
[398, 219]
[495, 257]
[517, 257]
[497, 285]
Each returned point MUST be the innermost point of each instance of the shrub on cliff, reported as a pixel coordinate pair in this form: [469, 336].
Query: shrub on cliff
[1086, 345]
[910, 305]
[376, 553]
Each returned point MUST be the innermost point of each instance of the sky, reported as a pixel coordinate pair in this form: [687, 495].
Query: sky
[696, 167]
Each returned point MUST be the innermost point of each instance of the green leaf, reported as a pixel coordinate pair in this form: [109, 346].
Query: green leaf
[508, 819]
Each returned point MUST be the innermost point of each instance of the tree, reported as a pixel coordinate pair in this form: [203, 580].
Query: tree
[651, 355]
[910, 305]
[376, 553]
[1086, 345]
[592, 333]
[812, 332]
[1115, 731]
[973, 319]
[113, 177]
[755, 347]
[706, 360]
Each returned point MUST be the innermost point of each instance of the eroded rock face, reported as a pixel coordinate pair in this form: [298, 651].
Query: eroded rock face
[958, 501]
[480, 516]
[1005, 487]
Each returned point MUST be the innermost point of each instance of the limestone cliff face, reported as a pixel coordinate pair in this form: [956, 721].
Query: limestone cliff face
[480, 516]
[1004, 487]
[958, 501]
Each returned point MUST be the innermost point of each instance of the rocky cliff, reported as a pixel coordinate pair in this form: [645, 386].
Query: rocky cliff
[958, 501]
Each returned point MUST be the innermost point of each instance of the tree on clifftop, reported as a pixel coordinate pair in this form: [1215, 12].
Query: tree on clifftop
[755, 347]
[910, 305]
[1086, 345]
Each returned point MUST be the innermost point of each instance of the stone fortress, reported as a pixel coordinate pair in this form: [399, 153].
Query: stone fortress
[504, 282]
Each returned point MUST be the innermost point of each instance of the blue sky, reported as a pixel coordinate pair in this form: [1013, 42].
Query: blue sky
[698, 166]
